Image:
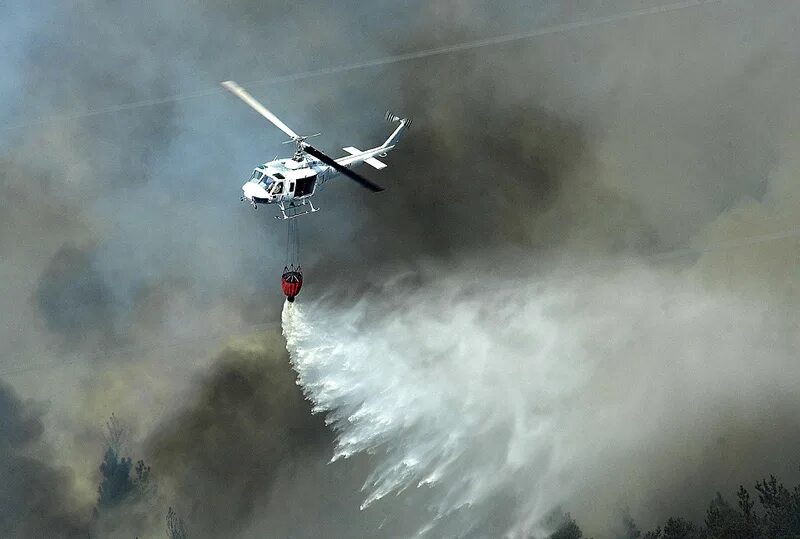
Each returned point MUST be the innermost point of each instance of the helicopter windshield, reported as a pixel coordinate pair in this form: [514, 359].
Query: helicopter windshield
[257, 175]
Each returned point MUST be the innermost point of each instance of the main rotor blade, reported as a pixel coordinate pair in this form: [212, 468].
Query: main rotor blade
[342, 169]
[242, 94]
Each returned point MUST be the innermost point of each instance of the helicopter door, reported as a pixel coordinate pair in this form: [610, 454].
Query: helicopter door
[305, 186]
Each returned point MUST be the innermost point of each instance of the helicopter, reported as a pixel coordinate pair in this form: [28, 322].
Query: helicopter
[292, 182]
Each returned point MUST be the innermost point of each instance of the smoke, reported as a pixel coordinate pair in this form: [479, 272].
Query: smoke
[75, 301]
[36, 495]
[492, 392]
[221, 452]
[124, 250]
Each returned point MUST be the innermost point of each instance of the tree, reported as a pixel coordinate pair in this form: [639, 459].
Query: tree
[775, 515]
[723, 521]
[629, 528]
[175, 526]
[141, 478]
[116, 484]
[658, 533]
[568, 529]
[781, 518]
[750, 526]
[678, 528]
[115, 434]
[674, 528]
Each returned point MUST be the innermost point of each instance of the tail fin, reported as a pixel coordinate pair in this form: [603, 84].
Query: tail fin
[394, 138]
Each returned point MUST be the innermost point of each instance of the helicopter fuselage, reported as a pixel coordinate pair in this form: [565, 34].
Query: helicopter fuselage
[290, 183]
[285, 180]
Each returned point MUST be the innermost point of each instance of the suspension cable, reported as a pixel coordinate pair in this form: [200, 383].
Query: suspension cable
[292, 243]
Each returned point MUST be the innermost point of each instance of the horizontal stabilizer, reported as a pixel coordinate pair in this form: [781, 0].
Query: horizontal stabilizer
[371, 161]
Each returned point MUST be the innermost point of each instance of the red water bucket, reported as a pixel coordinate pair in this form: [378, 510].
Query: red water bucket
[291, 282]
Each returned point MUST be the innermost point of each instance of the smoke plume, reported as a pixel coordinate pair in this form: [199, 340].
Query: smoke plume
[224, 450]
[36, 495]
[447, 327]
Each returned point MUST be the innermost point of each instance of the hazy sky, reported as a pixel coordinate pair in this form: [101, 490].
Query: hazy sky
[132, 272]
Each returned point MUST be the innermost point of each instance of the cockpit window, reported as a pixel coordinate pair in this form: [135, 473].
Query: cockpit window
[257, 175]
[278, 175]
[277, 188]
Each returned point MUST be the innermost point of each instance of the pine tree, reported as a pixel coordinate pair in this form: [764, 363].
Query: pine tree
[781, 509]
[629, 528]
[116, 484]
[569, 529]
[175, 526]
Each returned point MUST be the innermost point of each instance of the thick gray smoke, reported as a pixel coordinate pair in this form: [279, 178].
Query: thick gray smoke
[225, 449]
[124, 251]
[36, 495]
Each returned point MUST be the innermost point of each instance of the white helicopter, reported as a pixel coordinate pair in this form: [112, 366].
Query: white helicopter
[290, 183]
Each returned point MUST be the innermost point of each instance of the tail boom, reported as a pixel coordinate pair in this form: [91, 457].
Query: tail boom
[394, 138]
[368, 156]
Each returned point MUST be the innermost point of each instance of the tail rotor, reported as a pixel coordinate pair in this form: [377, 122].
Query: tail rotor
[391, 117]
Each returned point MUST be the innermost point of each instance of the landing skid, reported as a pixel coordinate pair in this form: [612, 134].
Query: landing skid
[293, 210]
